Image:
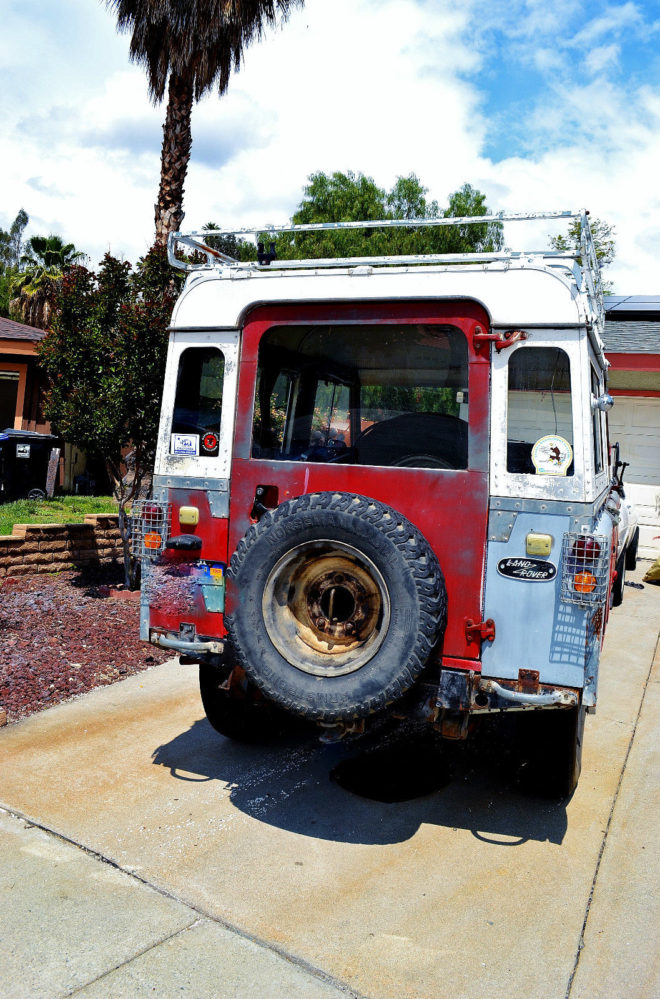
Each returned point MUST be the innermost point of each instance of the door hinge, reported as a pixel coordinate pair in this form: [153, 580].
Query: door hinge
[481, 631]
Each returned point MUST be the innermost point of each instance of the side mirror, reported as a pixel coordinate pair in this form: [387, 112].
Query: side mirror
[604, 402]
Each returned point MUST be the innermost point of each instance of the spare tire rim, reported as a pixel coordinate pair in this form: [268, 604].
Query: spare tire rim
[326, 608]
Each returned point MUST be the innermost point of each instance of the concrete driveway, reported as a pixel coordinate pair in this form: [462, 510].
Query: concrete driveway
[146, 855]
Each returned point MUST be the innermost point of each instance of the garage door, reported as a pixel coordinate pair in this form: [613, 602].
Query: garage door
[635, 424]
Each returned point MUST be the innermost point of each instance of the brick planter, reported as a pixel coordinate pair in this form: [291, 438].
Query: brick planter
[35, 548]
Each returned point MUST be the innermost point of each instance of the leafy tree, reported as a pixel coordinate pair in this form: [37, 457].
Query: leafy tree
[604, 243]
[35, 286]
[11, 246]
[187, 49]
[11, 241]
[352, 197]
[105, 360]
[230, 245]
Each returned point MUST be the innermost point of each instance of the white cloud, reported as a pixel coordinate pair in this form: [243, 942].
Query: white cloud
[615, 18]
[386, 108]
[601, 58]
[380, 86]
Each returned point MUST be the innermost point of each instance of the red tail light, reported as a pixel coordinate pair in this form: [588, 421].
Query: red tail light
[152, 513]
[587, 549]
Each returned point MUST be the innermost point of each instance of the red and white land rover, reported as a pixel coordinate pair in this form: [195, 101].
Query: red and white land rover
[385, 485]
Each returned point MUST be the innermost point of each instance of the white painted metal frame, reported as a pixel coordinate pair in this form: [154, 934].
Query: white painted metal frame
[578, 487]
[199, 465]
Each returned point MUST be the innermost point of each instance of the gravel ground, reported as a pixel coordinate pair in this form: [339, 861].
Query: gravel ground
[63, 634]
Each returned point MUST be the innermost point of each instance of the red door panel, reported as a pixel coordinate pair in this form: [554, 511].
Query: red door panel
[450, 507]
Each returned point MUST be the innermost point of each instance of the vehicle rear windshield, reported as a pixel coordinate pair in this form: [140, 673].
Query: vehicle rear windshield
[198, 403]
[539, 414]
[363, 395]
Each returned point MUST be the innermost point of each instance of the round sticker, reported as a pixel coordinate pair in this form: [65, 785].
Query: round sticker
[210, 442]
[552, 455]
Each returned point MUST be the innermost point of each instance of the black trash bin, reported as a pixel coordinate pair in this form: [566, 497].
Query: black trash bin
[24, 456]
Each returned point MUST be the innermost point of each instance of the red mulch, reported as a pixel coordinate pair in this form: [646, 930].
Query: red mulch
[64, 634]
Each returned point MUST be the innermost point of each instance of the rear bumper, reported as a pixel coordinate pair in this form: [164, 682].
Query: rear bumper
[559, 696]
[188, 648]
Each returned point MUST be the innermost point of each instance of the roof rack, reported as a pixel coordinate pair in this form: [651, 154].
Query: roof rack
[583, 265]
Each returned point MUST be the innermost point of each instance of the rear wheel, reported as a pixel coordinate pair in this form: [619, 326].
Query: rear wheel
[235, 709]
[631, 551]
[619, 582]
[550, 748]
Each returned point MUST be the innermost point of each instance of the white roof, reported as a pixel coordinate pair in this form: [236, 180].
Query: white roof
[534, 291]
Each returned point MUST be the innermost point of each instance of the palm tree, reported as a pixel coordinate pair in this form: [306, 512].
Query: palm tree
[36, 284]
[188, 47]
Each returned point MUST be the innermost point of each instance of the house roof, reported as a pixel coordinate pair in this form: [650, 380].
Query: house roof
[9, 330]
[631, 336]
[632, 324]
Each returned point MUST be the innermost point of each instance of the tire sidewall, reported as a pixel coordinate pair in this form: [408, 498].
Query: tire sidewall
[404, 648]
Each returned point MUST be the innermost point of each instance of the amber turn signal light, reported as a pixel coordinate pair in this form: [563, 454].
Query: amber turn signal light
[584, 582]
[152, 540]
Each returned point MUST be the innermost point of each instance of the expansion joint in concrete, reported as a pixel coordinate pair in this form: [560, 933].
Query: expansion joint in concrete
[581, 943]
[134, 957]
[292, 959]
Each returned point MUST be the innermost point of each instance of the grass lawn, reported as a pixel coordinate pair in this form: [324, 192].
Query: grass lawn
[59, 510]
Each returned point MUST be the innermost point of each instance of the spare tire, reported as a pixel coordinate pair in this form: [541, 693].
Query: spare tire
[337, 601]
[415, 440]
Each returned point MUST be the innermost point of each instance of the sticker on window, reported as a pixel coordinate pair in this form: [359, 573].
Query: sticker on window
[552, 455]
[210, 442]
[185, 444]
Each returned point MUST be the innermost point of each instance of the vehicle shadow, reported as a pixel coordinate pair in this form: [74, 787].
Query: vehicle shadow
[356, 791]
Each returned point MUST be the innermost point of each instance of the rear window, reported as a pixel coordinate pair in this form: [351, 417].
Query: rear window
[363, 395]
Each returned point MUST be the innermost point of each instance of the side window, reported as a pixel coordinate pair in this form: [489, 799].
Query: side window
[274, 400]
[539, 412]
[198, 403]
[597, 424]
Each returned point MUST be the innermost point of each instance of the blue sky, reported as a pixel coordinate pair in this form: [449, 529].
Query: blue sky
[542, 104]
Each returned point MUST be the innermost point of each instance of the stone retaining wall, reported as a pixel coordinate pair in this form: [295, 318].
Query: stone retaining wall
[35, 548]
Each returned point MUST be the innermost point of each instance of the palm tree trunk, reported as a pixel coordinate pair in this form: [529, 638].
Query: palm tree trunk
[177, 140]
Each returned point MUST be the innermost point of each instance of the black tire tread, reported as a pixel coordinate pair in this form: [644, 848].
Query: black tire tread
[245, 719]
[631, 551]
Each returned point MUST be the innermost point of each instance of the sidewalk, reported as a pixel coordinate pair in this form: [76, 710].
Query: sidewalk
[73, 924]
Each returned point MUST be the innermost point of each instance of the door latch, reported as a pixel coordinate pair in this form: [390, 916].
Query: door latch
[501, 340]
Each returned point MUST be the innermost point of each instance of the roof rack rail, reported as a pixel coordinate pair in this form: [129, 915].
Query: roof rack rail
[586, 260]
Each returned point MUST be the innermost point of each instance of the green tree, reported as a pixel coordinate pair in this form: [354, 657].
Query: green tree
[187, 49]
[11, 248]
[11, 241]
[351, 197]
[230, 245]
[105, 359]
[35, 285]
[604, 242]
